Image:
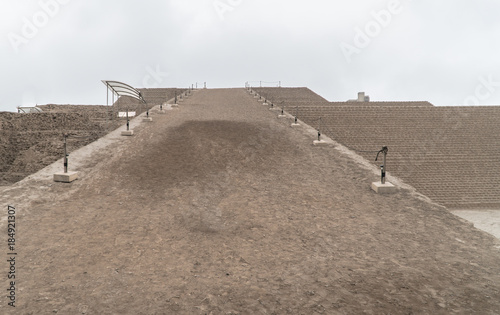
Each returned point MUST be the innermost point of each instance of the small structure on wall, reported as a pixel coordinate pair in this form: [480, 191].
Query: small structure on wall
[28, 110]
[362, 97]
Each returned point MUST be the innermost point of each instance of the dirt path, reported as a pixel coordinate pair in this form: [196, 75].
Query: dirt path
[220, 208]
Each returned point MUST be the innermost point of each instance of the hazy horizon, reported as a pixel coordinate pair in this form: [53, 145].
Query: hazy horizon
[58, 51]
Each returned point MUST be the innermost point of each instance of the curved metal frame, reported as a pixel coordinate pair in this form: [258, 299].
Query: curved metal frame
[123, 89]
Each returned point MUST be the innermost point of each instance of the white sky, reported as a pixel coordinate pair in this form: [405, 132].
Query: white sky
[58, 51]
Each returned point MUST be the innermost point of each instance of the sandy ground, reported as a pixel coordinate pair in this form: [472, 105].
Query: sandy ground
[218, 207]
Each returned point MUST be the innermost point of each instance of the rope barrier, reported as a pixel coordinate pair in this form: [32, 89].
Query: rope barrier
[274, 83]
[329, 132]
[384, 151]
[315, 120]
[66, 155]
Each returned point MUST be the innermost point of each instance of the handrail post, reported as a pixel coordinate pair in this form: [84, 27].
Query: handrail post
[319, 130]
[65, 154]
[384, 151]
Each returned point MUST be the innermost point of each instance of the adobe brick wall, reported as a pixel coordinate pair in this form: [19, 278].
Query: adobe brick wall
[30, 142]
[450, 154]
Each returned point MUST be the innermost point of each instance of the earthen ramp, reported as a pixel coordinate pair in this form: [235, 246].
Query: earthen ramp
[218, 207]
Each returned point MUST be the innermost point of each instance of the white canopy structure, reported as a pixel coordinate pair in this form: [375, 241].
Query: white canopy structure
[123, 89]
[28, 110]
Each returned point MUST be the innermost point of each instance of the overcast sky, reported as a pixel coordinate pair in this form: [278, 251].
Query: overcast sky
[58, 51]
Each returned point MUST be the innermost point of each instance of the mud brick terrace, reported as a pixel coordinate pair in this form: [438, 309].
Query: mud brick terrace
[254, 200]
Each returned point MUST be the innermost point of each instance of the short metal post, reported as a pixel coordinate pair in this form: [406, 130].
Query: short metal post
[383, 168]
[319, 130]
[296, 114]
[175, 100]
[65, 155]
[128, 121]
[283, 110]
